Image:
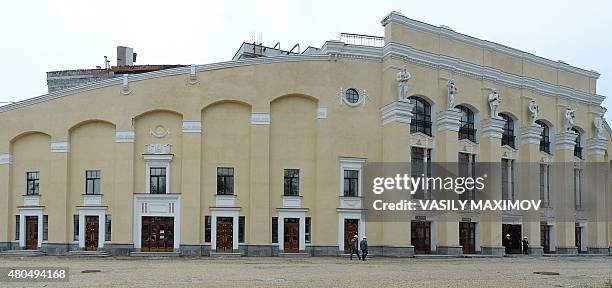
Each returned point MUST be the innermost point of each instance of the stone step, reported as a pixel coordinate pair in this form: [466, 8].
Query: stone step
[293, 254]
[22, 253]
[89, 254]
[225, 255]
[155, 254]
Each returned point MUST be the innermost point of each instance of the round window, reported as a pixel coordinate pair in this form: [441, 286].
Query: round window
[351, 96]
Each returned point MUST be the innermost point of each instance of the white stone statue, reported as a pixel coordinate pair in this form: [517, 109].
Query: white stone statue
[598, 122]
[534, 110]
[452, 93]
[494, 103]
[569, 118]
[402, 78]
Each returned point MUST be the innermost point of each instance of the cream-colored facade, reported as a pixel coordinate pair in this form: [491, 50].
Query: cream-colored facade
[263, 115]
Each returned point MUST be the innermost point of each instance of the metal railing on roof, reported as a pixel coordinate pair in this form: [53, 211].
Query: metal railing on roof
[363, 40]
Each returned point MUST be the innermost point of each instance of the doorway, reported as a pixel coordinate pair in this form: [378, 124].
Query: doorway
[31, 237]
[351, 228]
[578, 237]
[421, 236]
[545, 237]
[225, 234]
[467, 237]
[515, 237]
[92, 227]
[292, 235]
[157, 234]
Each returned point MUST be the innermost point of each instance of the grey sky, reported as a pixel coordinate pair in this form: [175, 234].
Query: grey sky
[40, 36]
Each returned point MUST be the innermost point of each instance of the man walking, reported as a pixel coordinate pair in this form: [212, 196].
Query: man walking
[507, 243]
[354, 247]
[363, 245]
[525, 246]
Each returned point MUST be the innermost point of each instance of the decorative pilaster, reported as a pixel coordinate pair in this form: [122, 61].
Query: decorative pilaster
[124, 189]
[597, 172]
[395, 118]
[5, 168]
[57, 192]
[259, 183]
[529, 154]
[564, 193]
[191, 175]
[447, 149]
[490, 158]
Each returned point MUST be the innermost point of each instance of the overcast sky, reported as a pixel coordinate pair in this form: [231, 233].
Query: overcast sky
[40, 36]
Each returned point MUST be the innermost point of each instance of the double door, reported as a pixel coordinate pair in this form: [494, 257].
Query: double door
[351, 228]
[467, 237]
[157, 234]
[31, 235]
[225, 235]
[292, 235]
[421, 236]
[92, 228]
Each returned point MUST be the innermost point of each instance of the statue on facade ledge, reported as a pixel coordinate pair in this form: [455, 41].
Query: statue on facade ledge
[534, 109]
[402, 78]
[494, 103]
[598, 122]
[452, 93]
[569, 118]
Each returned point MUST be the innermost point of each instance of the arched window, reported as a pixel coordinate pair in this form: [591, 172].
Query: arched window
[508, 131]
[545, 137]
[467, 130]
[421, 116]
[577, 146]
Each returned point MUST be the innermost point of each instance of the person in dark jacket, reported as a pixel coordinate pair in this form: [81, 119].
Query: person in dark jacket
[354, 249]
[508, 243]
[525, 246]
[363, 245]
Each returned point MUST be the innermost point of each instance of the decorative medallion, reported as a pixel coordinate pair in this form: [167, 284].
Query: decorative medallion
[159, 131]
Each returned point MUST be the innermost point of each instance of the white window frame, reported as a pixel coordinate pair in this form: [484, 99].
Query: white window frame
[157, 161]
[352, 164]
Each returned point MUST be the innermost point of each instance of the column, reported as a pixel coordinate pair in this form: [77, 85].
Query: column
[529, 169]
[490, 158]
[447, 154]
[6, 218]
[122, 212]
[595, 193]
[56, 198]
[259, 220]
[191, 219]
[396, 118]
[564, 193]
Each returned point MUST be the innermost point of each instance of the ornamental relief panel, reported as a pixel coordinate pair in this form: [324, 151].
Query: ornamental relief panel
[419, 139]
[467, 146]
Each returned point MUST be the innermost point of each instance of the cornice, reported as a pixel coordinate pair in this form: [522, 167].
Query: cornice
[447, 32]
[162, 73]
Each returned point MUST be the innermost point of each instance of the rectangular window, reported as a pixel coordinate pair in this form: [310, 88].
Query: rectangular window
[75, 227]
[351, 183]
[158, 180]
[108, 228]
[307, 233]
[274, 229]
[92, 182]
[578, 189]
[507, 179]
[292, 182]
[241, 228]
[225, 181]
[420, 165]
[467, 168]
[545, 185]
[45, 227]
[207, 229]
[17, 227]
[33, 183]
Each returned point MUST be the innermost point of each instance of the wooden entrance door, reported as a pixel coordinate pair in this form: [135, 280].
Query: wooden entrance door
[467, 237]
[545, 237]
[157, 234]
[351, 228]
[515, 236]
[421, 236]
[31, 235]
[292, 235]
[578, 237]
[225, 234]
[91, 233]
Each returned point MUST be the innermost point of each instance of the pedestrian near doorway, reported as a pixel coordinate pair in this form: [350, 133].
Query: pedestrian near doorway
[525, 246]
[354, 249]
[363, 245]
